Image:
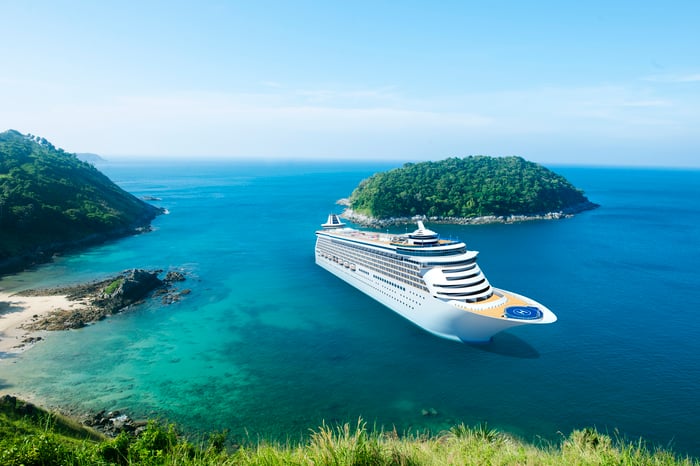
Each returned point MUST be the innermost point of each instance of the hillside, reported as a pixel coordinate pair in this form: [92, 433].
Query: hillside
[50, 201]
[474, 186]
[31, 436]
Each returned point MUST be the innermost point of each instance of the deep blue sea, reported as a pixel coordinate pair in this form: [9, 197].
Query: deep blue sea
[268, 345]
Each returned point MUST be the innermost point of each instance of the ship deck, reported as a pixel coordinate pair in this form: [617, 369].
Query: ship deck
[496, 309]
[384, 239]
[367, 236]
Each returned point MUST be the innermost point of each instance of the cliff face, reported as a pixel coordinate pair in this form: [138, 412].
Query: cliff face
[51, 201]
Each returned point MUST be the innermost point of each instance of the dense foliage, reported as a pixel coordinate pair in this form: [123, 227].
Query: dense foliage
[49, 197]
[465, 187]
[39, 438]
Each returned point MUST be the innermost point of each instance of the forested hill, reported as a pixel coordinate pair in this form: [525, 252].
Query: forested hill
[50, 200]
[474, 186]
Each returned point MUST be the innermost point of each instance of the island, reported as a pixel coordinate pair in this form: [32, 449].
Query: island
[473, 189]
[51, 201]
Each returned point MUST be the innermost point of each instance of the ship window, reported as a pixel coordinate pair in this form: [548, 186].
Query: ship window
[462, 285]
[461, 269]
[463, 277]
[464, 294]
[429, 252]
[432, 264]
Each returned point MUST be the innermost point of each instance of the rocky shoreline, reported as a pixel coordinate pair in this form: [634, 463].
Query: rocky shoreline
[104, 423]
[113, 423]
[373, 222]
[94, 301]
[105, 297]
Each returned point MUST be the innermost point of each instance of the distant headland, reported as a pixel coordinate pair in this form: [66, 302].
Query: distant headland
[470, 190]
[89, 157]
[51, 201]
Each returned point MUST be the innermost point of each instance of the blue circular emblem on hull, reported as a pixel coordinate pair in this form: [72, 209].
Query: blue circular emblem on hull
[523, 312]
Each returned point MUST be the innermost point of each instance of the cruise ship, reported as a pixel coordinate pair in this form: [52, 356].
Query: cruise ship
[433, 282]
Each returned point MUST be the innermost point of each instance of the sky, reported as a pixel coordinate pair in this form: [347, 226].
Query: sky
[583, 83]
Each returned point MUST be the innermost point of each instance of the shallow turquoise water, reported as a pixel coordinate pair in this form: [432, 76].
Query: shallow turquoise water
[268, 344]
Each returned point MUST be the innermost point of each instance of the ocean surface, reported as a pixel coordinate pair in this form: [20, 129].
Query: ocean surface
[268, 345]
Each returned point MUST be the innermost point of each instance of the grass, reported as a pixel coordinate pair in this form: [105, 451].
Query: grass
[41, 438]
[112, 287]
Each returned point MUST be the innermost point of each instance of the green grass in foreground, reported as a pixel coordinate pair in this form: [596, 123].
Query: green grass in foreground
[40, 438]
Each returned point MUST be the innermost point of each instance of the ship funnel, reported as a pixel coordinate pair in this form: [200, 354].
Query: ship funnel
[333, 222]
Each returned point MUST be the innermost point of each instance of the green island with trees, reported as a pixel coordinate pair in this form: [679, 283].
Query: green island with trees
[51, 201]
[465, 188]
[32, 436]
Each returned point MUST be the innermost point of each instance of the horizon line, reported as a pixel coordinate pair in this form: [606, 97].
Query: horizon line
[353, 161]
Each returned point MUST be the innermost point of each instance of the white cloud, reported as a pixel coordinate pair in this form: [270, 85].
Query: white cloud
[674, 78]
[349, 97]
[273, 84]
[279, 121]
[647, 103]
[233, 124]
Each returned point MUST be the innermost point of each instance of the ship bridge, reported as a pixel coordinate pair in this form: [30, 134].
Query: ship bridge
[424, 242]
[422, 236]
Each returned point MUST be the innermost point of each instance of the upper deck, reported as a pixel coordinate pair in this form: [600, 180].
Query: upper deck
[421, 243]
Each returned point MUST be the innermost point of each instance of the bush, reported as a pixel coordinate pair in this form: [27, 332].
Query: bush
[34, 450]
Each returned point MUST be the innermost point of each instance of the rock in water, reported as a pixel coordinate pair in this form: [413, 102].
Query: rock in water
[129, 288]
[174, 276]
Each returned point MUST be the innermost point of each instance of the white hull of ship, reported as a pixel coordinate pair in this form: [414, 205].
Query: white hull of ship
[431, 314]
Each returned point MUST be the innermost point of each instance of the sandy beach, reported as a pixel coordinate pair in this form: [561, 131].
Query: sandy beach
[15, 311]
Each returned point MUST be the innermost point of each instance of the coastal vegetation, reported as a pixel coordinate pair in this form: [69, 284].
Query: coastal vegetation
[50, 200]
[33, 436]
[474, 186]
